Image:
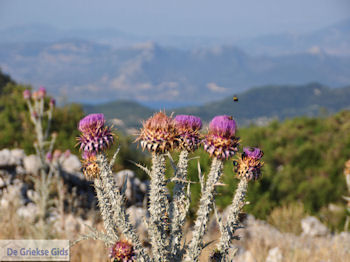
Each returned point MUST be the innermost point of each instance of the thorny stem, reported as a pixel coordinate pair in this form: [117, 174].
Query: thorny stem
[158, 209]
[205, 206]
[232, 223]
[179, 206]
[119, 214]
[106, 210]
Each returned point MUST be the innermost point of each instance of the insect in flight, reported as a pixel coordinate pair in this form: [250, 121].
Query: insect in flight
[235, 98]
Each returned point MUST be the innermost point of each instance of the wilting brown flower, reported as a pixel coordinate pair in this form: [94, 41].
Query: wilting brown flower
[90, 166]
[159, 134]
[122, 251]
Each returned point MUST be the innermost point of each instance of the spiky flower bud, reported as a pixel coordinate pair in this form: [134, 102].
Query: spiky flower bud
[67, 153]
[249, 165]
[122, 251]
[89, 165]
[27, 94]
[95, 136]
[57, 154]
[221, 141]
[188, 128]
[35, 95]
[41, 92]
[159, 134]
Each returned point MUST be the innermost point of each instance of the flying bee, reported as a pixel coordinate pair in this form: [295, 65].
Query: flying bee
[235, 98]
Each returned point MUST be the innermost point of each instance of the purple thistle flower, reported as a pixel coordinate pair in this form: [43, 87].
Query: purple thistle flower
[159, 134]
[249, 166]
[253, 152]
[86, 155]
[221, 141]
[95, 135]
[49, 157]
[223, 126]
[188, 127]
[67, 153]
[189, 122]
[41, 92]
[52, 102]
[122, 251]
[27, 94]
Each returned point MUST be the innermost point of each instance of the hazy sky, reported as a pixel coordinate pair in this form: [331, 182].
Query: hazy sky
[234, 18]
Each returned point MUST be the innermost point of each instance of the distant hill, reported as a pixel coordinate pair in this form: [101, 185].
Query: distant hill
[334, 39]
[255, 106]
[131, 113]
[85, 71]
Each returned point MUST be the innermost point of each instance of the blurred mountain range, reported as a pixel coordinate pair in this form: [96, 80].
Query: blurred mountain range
[95, 66]
[256, 106]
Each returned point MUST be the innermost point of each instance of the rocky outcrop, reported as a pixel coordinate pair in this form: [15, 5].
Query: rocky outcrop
[313, 227]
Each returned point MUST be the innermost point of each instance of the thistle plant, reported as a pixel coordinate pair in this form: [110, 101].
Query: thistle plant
[161, 135]
[248, 168]
[39, 112]
[347, 198]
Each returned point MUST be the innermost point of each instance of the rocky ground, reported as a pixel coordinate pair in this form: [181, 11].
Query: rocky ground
[259, 240]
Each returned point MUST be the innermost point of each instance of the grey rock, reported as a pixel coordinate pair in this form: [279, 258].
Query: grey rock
[313, 227]
[5, 156]
[71, 164]
[135, 189]
[12, 157]
[274, 255]
[32, 164]
[17, 156]
[28, 211]
[137, 216]
[247, 256]
[2, 182]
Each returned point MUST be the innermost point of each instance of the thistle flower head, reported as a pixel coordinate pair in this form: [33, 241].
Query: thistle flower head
[57, 154]
[250, 164]
[159, 134]
[35, 95]
[67, 153]
[41, 92]
[89, 165]
[95, 136]
[49, 157]
[221, 141]
[52, 102]
[27, 94]
[188, 128]
[223, 126]
[122, 251]
[253, 152]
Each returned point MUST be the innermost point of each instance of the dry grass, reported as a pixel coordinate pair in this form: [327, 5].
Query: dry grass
[287, 218]
[293, 248]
